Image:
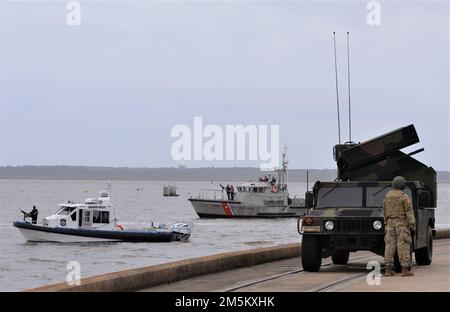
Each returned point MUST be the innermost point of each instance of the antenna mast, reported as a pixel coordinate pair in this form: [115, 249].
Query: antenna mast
[348, 80]
[337, 88]
[307, 180]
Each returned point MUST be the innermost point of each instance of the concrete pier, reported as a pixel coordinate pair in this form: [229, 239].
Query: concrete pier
[286, 275]
[269, 269]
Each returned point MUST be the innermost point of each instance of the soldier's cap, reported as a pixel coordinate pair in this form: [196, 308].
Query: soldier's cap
[398, 182]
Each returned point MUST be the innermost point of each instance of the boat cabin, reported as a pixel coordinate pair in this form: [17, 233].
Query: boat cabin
[94, 212]
[259, 187]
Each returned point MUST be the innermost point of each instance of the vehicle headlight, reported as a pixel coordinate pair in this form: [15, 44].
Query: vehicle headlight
[329, 225]
[377, 225]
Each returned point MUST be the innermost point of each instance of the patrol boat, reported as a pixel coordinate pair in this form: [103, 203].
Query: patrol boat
[258, 199]
[92, 221]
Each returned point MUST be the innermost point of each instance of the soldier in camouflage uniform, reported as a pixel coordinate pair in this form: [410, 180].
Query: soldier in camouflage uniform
[399, 223]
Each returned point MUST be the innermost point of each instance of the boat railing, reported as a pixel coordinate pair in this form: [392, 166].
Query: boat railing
[210, 194]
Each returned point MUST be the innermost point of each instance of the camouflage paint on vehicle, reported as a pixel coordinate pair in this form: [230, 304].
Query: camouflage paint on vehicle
[353, 203]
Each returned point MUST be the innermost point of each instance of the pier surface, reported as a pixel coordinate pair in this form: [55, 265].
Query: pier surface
[287, 275]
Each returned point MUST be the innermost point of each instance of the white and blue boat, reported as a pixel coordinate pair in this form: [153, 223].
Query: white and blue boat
[93, 221]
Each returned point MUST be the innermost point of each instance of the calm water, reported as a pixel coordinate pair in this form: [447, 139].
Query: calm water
[25, 265]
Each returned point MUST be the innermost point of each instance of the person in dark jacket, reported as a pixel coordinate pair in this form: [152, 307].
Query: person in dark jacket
[228, 189]
[33, 214]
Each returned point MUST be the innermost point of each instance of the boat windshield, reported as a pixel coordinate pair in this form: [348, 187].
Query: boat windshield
[340, 197]
[375, 195]
[64, 211]
[252, 189]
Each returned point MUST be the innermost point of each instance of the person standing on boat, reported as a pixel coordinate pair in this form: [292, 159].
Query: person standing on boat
[273, 181]
[232, 192]
[33, 214]
[228, 189]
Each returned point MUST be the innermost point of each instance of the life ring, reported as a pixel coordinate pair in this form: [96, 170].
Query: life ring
[274, 189]
[120, 227]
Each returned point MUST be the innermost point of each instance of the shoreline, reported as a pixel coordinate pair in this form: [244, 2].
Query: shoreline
[146, 180]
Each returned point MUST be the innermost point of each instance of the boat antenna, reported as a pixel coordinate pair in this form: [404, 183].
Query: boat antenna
[285, 167]
[108, 189]
[108, 186]
[337, 88]
[348, 80]
[307, 180]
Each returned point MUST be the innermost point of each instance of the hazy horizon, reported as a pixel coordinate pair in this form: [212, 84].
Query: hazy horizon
[167, 174]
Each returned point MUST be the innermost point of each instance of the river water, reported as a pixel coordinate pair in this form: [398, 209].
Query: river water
[26, 265]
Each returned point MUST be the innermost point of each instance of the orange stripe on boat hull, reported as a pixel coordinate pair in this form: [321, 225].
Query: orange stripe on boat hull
[227, 209]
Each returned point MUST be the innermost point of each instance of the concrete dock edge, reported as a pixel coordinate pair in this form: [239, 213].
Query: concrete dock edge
[159, 274]
[154, 275]
[442, 233]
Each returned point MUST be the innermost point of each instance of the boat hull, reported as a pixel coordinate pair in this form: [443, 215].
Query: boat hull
[39, 233]
[40, 236]
[235, 209]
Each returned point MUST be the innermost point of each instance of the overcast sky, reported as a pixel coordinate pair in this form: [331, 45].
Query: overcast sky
[109, 91]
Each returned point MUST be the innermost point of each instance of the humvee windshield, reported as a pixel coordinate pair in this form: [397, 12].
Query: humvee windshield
[339, 197]
[375, 195]
[335, 196]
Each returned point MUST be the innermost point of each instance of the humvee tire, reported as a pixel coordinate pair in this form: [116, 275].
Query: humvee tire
[340, 257]
[311, 253]
[424, 255]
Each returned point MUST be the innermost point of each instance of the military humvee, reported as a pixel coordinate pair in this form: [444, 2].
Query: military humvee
[346, 215]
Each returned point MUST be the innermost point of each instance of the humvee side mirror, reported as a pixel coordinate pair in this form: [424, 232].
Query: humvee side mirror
[424, 199]
[309, 199]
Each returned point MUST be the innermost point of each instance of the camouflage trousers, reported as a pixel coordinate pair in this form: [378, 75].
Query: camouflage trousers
[397, 237]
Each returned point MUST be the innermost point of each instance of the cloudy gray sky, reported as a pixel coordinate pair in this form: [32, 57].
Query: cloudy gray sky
[109, 91]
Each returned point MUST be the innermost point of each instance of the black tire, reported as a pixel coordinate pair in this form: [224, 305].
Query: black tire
[340, 257]
[424, 256]
[311, 253]
[398, 266]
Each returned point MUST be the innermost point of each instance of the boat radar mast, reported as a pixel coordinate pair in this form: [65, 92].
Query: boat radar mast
[282, 172]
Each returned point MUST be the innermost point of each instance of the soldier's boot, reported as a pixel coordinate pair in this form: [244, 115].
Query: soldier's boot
[389, 271]
[406, 272]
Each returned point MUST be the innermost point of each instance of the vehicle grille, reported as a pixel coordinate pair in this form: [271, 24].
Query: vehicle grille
[345, 226]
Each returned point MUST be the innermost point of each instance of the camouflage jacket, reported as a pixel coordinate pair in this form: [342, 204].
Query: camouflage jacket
[398, 205]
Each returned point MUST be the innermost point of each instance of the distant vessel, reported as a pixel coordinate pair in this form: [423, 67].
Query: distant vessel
[91, 222]
[170, 190]
[260, 199]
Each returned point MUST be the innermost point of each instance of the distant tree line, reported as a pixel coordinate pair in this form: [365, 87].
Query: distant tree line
[126, 173]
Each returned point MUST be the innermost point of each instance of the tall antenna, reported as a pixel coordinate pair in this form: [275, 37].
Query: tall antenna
[348, 80]
[337, 88]
[307, 180]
